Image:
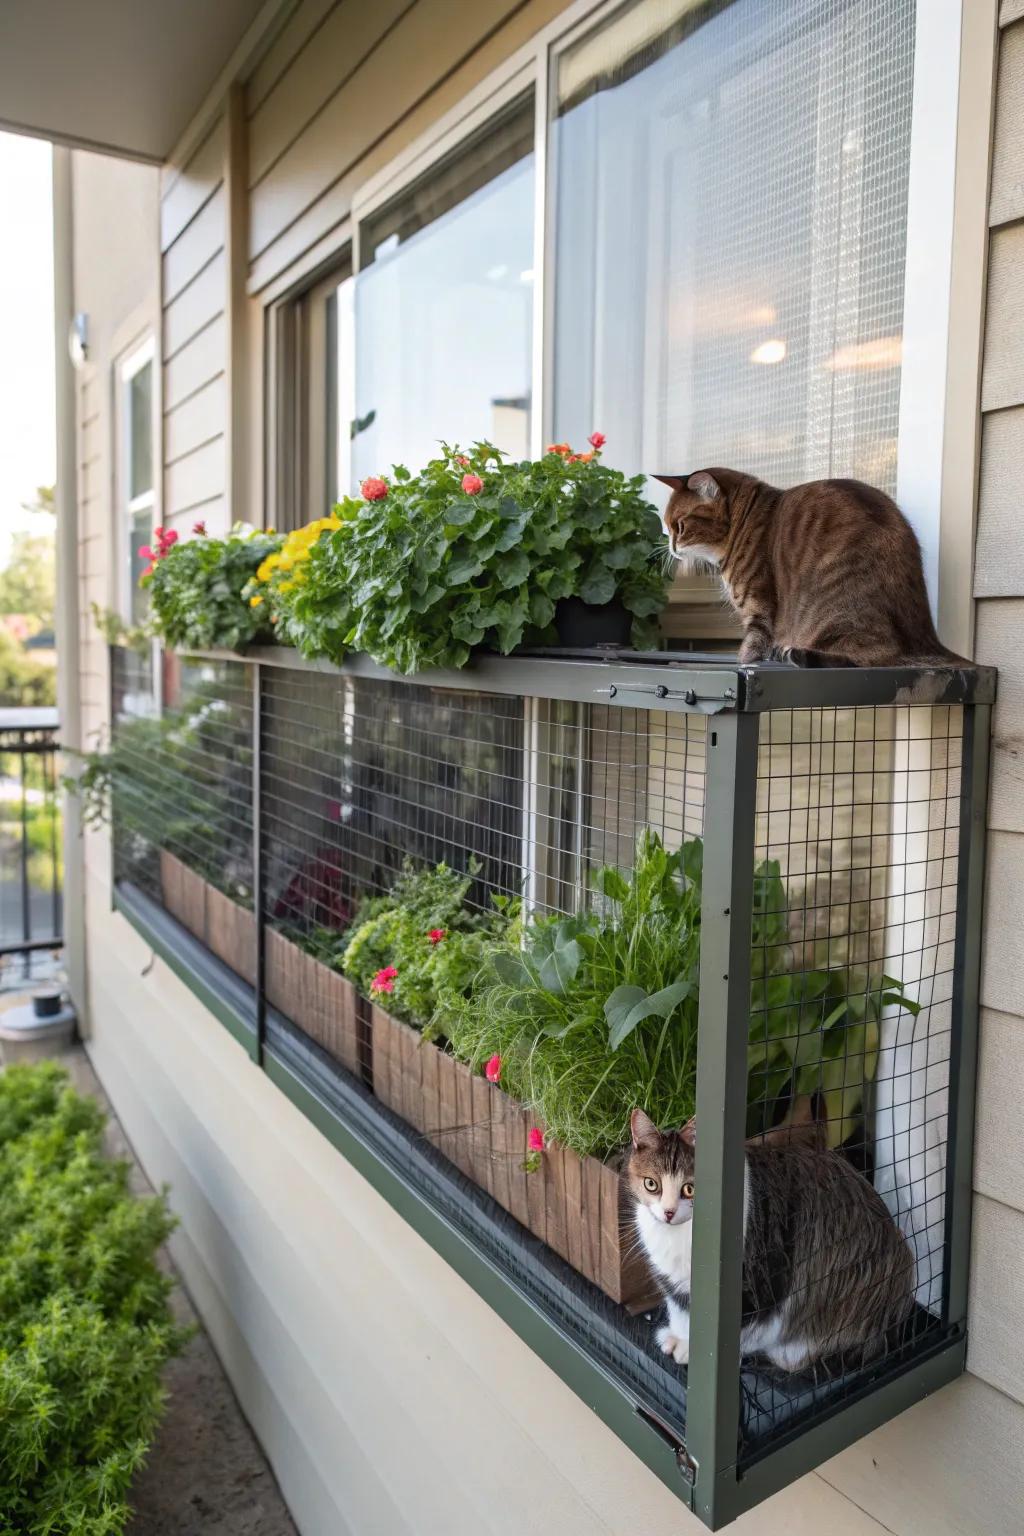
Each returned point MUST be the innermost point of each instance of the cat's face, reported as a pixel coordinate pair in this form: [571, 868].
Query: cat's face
[659, 1171]
[697, 516]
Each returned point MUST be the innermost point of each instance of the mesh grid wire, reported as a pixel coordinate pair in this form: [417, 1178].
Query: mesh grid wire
[856, 845]
[359, 775]
[182, 798]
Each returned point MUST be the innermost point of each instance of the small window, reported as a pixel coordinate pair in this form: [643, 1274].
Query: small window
[137, 496]
[443, 315]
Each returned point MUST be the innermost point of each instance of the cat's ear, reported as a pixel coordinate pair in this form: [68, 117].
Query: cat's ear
[674, 482]
[704, 485]
[643, 1130]
[688, 1134]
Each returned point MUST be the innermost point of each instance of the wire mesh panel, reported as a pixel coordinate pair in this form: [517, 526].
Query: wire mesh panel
[182, 800]
[855, 897]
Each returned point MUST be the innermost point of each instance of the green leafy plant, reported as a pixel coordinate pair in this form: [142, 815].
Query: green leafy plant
[85, 1328]
[474, 552]
[420, 940]
[195, 590]
[116, 631]
[591, 1015]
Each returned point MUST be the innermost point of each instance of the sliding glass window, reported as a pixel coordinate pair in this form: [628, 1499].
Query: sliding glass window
[731, 214]
[444, 306]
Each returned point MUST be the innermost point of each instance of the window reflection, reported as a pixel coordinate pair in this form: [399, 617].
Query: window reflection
[443, 308]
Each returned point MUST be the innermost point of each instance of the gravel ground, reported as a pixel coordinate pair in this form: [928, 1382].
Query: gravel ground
[206, 1472]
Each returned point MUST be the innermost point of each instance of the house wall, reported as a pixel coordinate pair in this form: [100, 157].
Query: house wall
[387, 1395]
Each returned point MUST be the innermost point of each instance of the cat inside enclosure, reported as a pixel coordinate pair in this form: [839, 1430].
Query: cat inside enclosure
[827, 574]
[827, 1274]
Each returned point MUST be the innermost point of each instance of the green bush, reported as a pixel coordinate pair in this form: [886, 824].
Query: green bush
[423, 571]
[85, 1328]
[195, 590]
[24, 681]
[424, 933]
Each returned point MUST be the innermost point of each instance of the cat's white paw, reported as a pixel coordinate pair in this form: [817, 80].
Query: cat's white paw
[671, 1344]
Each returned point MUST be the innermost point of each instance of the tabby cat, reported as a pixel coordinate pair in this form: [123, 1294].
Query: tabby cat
[826, 1271]
[825, 574]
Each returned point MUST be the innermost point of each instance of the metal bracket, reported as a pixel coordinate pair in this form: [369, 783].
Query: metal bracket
[684, 1461]
[660, 691]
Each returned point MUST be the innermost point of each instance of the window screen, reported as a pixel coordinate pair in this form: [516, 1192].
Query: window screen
[731, 222]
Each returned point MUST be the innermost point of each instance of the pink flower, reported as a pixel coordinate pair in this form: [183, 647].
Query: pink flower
[492, 1071]
[462, 461]
[535, 1139]
[437, 934]
[145, 553]
[373, 488]
[199, 529]
[597, 440]
[384, 981]
[158, 533]
[472, 485]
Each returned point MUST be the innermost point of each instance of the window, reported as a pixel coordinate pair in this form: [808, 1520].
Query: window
[444, 307]
[730, 235]
[137, 496]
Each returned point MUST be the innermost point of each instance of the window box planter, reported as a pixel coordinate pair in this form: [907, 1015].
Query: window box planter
[183, 894]
[571, 1203]
[317, 998]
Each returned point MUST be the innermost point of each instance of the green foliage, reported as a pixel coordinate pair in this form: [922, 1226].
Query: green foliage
[28, 582]
[196, 591]
[428, 573]
[115, 631]
[594, 1014]
[85, 1328]
[24, 682]
[395, 930]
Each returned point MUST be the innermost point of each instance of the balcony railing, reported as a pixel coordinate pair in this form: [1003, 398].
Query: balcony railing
[840, 819]
[31, 931]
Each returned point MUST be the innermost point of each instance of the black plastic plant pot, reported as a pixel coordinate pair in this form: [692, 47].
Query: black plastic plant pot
[581, 625]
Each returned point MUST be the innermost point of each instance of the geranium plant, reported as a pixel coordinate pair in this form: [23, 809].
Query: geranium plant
[474, 551]
[195, 588]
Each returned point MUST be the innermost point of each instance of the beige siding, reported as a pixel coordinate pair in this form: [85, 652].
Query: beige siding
[193, 225]
[999, 556]
[999, 1148]
[999, 643]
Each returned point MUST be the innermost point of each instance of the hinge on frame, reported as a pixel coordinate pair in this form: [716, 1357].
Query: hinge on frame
[684, 1461]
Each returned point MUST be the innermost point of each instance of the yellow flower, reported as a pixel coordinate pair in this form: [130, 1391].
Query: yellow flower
[254, 602]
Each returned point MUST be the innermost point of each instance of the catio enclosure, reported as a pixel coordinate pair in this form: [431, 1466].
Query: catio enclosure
[831, 833]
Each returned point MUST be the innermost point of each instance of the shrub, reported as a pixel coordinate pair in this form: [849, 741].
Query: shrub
[85, 1328]
[196, 587]
[420, 940]
[473, 552]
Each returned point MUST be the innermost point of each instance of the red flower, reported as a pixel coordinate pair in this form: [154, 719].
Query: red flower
[472, 485]
[437, 934]
[535, 1139]
[158, 533]
[462, 461]
[384, 981]
[145, 553]
[597, 440]
[562, 448]
[148, 571]
[492, 1071]
[583, 458]
[199, 529]
[374, 489]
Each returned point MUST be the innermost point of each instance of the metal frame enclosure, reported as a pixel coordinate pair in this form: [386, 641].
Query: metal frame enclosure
[702, 1465]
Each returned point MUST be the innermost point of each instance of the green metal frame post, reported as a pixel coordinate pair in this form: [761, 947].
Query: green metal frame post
[713, 1378]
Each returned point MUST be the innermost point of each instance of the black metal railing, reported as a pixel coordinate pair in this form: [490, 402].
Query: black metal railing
[31, 916]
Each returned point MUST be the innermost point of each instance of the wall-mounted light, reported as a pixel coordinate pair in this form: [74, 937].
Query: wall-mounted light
[78, 340]
[769, 351]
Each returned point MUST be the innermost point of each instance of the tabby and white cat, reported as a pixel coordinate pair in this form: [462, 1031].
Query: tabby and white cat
[826, 1271]
[824, 574]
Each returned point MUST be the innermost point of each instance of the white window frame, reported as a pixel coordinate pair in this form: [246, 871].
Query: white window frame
[128, 507]
[954, 54]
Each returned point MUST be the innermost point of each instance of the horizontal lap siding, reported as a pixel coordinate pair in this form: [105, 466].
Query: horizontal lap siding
[993, 1416]
[193, 217]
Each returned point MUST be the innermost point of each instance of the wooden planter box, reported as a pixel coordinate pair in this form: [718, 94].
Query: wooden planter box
[183, 893]
[317, 998]
[231, 933]
[571, 1203]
